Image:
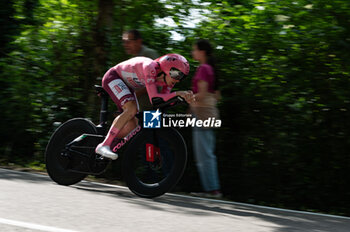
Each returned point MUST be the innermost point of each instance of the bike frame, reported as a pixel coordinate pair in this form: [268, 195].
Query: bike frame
[103, 127]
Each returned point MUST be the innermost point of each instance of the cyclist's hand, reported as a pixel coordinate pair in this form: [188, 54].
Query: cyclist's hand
[187, 95]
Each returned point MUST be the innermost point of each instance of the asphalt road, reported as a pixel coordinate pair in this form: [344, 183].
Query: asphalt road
[32, 202]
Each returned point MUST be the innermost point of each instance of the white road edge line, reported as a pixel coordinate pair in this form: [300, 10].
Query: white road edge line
[264, 207]
[32, 226]
[215, 200]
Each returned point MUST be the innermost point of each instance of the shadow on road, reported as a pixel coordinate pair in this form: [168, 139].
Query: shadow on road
[283, 221]
[22, 175]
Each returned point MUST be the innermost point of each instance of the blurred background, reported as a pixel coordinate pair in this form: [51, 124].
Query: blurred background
[284, 69]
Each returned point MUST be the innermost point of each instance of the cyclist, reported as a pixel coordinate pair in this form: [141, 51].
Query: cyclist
[158, 76]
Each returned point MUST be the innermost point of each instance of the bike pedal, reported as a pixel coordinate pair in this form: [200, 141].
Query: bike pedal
[100, 157]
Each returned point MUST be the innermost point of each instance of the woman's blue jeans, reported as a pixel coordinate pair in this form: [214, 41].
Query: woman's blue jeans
[204, 147]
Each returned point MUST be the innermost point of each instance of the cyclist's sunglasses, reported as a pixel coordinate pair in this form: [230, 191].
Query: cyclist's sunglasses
[176, 74]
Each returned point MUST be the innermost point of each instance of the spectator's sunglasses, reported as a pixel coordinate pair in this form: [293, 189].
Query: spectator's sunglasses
[176, 74]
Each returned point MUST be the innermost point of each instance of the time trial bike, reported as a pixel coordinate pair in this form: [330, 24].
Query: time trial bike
[153, 159]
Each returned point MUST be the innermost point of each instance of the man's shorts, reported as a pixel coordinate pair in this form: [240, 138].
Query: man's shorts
[117, 89]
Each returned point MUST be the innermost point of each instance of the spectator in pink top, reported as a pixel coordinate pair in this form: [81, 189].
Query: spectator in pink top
[123, 79]
[205, 88]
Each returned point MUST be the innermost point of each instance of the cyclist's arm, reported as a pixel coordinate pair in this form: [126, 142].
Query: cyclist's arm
[152, 92]
[150, 73]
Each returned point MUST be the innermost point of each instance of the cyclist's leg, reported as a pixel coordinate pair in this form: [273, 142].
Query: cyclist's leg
[125, 99]
[133, 122]
[129, 126]
[126, 118]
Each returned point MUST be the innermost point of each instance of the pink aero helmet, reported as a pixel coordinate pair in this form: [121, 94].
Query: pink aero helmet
[174, 65]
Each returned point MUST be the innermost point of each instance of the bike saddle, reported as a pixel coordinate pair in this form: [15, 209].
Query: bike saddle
[100, 91]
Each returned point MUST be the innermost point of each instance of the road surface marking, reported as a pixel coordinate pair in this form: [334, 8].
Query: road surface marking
[32, 226]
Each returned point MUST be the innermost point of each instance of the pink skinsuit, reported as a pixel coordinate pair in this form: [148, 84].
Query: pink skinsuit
[121, 80]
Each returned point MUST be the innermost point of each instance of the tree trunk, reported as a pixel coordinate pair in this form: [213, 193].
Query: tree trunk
[104, 27]
[100, 52]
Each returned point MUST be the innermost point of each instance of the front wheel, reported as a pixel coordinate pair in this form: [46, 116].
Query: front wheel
[58, 163]
[154, 162]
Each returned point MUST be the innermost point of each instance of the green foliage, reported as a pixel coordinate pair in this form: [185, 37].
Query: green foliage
[46, 58]
[286, 100]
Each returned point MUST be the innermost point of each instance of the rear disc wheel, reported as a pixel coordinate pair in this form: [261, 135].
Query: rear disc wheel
[58, 160]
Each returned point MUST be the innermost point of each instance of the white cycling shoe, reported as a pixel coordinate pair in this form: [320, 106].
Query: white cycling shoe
[105, 151]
